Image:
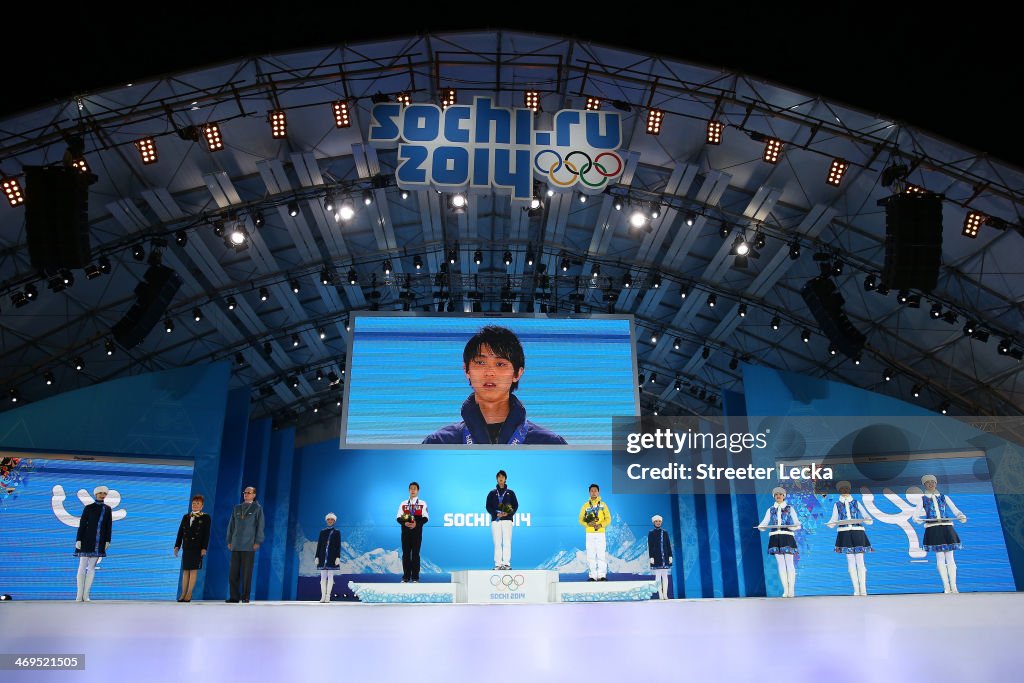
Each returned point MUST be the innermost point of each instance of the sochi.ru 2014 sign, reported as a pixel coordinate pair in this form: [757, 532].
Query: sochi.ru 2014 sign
[483, 146]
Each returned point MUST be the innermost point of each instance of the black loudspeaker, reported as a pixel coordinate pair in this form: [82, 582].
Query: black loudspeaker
[826, 305]
[153, 296]
[57, 217]
[913, 241]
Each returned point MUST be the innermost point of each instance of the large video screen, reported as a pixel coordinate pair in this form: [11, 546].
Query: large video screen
[40, 504]
[409, 381]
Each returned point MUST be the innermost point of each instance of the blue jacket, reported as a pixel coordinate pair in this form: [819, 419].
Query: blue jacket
[508, 497]
[473, 428]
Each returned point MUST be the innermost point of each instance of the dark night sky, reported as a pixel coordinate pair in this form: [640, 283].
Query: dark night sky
[954, 76]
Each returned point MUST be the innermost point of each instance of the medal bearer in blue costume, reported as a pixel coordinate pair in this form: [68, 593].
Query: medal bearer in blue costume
[659, 551]
[494, 362]
[782, 522]
[92, 541]
[936, 511]
[502, 504]
[850, 517]
[328, 556]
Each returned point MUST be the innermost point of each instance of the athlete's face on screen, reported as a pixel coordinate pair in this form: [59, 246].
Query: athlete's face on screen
[491, 376]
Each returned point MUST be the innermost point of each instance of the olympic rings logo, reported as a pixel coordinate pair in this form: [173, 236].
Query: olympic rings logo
[508, 582]
[577, 166]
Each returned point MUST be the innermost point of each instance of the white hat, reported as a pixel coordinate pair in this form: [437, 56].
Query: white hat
[100, 489]
[331, 515]
[778, 489]
[841, 484]
[657, 518]
[929, 477]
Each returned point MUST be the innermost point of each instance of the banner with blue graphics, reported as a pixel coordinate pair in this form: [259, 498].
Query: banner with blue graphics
[365, 488]
[483, 146]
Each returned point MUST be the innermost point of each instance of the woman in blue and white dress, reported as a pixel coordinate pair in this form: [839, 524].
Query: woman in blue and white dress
[939, 535]
[852, 540]
[782, 541]
[328, 556]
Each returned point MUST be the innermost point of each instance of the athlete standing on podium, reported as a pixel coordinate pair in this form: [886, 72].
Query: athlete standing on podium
[502, 505]
[412, 515]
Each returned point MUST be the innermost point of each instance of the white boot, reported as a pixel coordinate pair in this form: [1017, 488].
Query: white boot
[945, 578]
[863, 581]
[792, 585]
[323, 588]
[81, 587]
[330, 587]
[89, 577]
[855, 580]
[663, 588]
[951, 573]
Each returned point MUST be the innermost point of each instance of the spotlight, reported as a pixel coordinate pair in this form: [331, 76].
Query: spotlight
[478, 257]
[267, 348]
[197, 315]
[293, 208]
[677, 343]
[654, 117]
[682, 292]
[531, 100]
[944, 408]
[565, 264]
[714, 135]
[734, 363]
[104, 264]
[181, 238]
[970, 327]
[264, 293]
[794, 250]
[902, 296]
[294, 284]
[138, 252]
[690, 220]
[12, 188]
[19, 299]
[836, 172]
[583, 199]
[529, 256]
[743, 310]
[972, 223]
[214, 142]
[805, 335]
[325, 276]
[346, 212]
[679, 385]
[218, 228]
[887, 375]
[870, 282]
[453, 254]
[448, 97]
[322, 333]
[776, 322]
[147, 150]
[278, 124]
[916, 391]
[403, 98]
[949, 317]
[417, 262]
[595, 270]
[341, 116]
[296, 341]
[535, 203]
[724, 231]
[617, 204]
[712, 300]
[837, 267]
[654, 337]
[1004, 347]
[856, 359]
[655, 211]
[832, 349]
[353, 276]
[507, 258]
[705, 352]
[367, 197]
[593, 103]
[78, 363]
[936, 311]
[231, 303]
[759, 240]
[457, 203]
[91, 272]
[655, 281]
[108, 346]
[49, 378]
[740, 246]
[238, 238]
[329, 203]
[168, 326]
[772, 150]
[239, 359]
[641, 380]
[637, 219]
[404, 194]
[654, 378]
[13, 393]
[386, 267]
[627, 280]
[293, 381]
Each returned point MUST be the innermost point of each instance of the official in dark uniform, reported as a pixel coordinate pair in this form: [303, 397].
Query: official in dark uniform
[193, 540]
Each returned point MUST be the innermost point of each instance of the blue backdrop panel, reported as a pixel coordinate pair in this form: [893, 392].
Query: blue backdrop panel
[365, 488]
[407, 378]
[39, 514]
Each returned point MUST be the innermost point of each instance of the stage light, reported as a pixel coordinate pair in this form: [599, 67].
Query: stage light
[325, 276]
[805, 335]
[268, 348]
[404, 99]
[655, 211]
[870, 282]
[49, 378]
[231, 303]
[595, 270]
[535, 203]
[837, 268]
[916, 391]
[637, 219]
[627, 280]
[529, 257]
[836, 171]
[197, 315]
[239, 359]
[832, 349]
[772, 150]
[887, 374]
[551, 192]
[856, 359]
[293, 208]
[108, 346]
[1004, 347]
[654, 118]
[902, 296]
[367, 198]
[346, 212]
[329, 203]
[168, 326]
[794, 250]
[322, 333]
[138, 252]
[404, 194]
[294, 284]
[507, 258]
[705, 353]
[714, 134]
[743, 310]
[278, 124]
[341, 116]
[972, 223]
[14, 396]
[740, 246]
[19, 299]
[682, 291]
[386, 266]
[296, 341]
[734, 363]
[12, 188]
[238, 238]
[724, 230]
[654, 337]
[690, 220]
[655, 281]
[883, 289]
[448, 97]
[80, 165]
[677, 343]
[264, 293]
[583, 199]
[531, 100]
[453, 254]
[936, 311]
[293, 381]
[712, 300]
[759, 240]
[181, 238]
[214, 141]
[776, 322]
[147, 150]
[457, 203]
[218, 228]
[31, 292]
[565, 264]
[944, 408]
[970, 327]
[78, 363]
[679, 385]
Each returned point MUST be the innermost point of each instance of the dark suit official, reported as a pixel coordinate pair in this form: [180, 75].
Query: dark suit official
[193, 538]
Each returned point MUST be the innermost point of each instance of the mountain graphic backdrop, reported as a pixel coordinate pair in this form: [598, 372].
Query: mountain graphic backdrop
[626, 554]
[356, 560]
